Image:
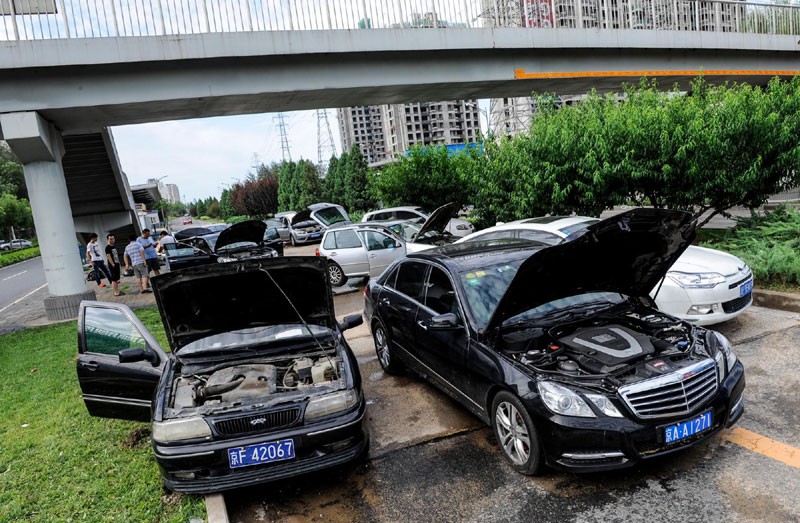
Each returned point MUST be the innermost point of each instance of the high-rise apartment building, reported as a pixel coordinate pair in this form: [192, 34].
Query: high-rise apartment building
[173, 194]
[381, 131]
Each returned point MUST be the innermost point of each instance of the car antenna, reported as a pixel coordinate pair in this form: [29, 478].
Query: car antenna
[335, 370]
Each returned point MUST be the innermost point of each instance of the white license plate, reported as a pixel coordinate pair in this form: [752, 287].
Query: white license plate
[689, 428]
[261, 453]
[745, 288]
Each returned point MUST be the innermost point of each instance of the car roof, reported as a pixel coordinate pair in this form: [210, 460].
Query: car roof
[460, 257]
[552, 224]
[359, 225]
[401, 208]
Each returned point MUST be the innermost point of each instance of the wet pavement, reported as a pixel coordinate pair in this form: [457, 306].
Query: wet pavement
[430, 460]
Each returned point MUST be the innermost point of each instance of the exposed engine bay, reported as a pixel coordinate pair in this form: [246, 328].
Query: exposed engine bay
[613, 348]
[236, 254]
[255, 382]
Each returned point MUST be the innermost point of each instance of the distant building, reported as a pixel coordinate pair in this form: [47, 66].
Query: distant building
[512, 116]
[381, 131]
[173, 194]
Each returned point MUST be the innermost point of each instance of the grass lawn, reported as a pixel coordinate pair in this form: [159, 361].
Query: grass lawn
[59, 463]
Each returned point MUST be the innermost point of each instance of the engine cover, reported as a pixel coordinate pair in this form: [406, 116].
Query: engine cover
[601, 349]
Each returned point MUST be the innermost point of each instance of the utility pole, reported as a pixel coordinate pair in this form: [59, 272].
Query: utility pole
[286, 153]
[326, 147]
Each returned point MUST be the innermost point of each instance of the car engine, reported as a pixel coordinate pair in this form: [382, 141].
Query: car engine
[617, 348]
[239, 382]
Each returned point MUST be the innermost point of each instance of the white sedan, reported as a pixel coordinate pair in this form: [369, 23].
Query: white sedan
[704, 286]
[455, 227]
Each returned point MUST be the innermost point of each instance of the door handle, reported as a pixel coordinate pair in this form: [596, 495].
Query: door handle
[332, 254]
[422, 324]
[385, 301]
[91, 365]
[372, 255]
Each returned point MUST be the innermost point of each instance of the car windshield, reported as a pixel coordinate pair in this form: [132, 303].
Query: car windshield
[330, 215]
[589, 300]
[485, 286]
[405, 230]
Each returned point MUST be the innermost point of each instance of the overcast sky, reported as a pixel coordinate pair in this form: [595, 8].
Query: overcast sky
[204, 155]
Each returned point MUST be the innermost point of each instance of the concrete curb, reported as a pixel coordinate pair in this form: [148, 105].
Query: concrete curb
[785, 301]
[215, 509]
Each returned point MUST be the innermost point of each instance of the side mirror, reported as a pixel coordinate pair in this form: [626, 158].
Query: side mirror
[138, 354]
[445, 321]
[354, 320]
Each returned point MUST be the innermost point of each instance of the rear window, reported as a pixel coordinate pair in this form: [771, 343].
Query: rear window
[411, 279]
[347, 240]
[538, 236]
[406, 215]
[330, 215]
[577, 227]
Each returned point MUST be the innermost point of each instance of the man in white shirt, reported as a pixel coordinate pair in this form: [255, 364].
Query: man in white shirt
[96, 258]
[165, 239]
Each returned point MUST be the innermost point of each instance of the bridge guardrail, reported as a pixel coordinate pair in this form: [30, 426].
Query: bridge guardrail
[58, 19]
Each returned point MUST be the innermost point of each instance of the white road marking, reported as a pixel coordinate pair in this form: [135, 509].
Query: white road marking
[15, 275]
[22, 298]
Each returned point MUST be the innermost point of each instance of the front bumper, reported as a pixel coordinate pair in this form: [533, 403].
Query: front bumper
[327, 444]
[725, 298]
[598, 444]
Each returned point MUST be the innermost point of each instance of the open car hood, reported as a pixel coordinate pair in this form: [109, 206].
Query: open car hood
[199, 302]
[247, 231]
[439, 219]
[191, 232]
[628, 253]
[302, 216]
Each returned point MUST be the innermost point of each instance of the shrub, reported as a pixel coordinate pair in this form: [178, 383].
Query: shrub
[12, 257]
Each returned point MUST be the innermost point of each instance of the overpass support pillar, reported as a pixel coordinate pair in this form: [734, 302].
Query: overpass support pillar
[38, 145]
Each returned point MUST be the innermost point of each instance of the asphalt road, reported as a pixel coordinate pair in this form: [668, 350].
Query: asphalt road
[430, 460]
[20, 279]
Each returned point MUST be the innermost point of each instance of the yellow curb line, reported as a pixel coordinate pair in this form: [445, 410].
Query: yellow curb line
[764, 446]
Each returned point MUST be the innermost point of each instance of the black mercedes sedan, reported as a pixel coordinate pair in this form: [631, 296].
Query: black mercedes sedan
[259, 385]
[560, 349]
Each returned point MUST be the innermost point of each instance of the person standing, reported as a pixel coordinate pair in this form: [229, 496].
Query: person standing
[134, 256]
[96, 259]
[112, 257]
[166, 238]
[150, 254]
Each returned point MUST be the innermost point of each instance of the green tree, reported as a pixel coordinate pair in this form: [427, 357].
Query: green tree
[307, 183]
[225, 207]
[14, 212]
[330, 179]
[287, 197]
[426, 176]
[357, 193]
[12, 179]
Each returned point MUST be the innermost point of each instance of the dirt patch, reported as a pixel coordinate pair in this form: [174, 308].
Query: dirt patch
[137, 439]
[170, 499]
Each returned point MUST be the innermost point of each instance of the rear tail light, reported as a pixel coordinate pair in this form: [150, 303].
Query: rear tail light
[316, 251]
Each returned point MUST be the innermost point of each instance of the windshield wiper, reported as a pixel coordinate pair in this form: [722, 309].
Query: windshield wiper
[587, 307]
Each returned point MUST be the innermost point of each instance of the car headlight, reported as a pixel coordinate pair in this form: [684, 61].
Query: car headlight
[726, 351]
[331, 403]
[696, 280]
[605, 405]
[562, 400]
[180, 429]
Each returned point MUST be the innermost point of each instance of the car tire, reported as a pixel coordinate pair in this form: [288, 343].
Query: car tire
[516, 434]
[336, 275]
[294, 242]
[383, 349]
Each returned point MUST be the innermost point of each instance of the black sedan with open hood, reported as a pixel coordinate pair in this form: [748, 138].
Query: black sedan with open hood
[259, 385]
[569, 362]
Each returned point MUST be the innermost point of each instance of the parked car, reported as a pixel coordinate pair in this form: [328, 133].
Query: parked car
[187, 220]
[309, 225]
[15, 244]
[431, 232]
[280, 224]
[366, 249]
[572, 367]
[244, 240]
[705, 286]
[259, 384]
[456, 227]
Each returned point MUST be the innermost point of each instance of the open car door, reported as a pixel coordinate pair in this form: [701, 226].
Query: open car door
[119, 362]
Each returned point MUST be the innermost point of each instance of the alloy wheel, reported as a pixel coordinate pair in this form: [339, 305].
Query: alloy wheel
[335, 274]
[513, 433]
[382, 346]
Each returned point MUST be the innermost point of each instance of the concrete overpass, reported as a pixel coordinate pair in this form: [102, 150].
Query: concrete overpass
[71, 67]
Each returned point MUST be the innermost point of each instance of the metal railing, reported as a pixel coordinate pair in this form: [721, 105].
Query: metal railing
[52, 19]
